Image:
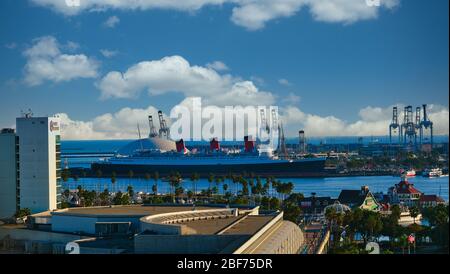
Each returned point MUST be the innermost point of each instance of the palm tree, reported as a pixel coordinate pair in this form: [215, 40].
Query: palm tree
[113, 180]
[130, 176]
[274, 184]
[225, 188]
[414, 212]
[210, 180]
[174, 180]
[194, 178]
[130, 192]
[218, 181]
[147, 178]
[75, 178]
[156, 178]
[99, 174]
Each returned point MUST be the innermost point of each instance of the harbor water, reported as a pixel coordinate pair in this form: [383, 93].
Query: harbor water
[321, 186]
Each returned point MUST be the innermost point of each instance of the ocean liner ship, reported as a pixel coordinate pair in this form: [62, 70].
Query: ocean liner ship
[166, 156]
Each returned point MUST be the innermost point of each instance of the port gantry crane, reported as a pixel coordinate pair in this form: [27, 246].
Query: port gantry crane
[417, 126]
[411, 130]
[426, 124]
[395, 126]
[408, 127]
[153, 133]
[164, 130]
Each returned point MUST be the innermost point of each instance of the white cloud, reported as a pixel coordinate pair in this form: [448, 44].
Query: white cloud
[251, 14]
[292, 99]
[284, 82]
[373, 121]
[46, 62]
[12, 45]
[112, 22]
[119, 125]
[175, 74]
[123, 123]
[72, 46]
[258, 80]
[217, 66]
[242, 93]
[108, 53]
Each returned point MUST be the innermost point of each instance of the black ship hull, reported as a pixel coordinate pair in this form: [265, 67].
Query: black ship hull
[309, 168]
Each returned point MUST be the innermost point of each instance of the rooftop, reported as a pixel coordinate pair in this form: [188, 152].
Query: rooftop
[249, 225]
[133, 210]
[404, 187]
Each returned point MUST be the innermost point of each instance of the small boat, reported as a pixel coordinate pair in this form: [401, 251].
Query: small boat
[408, 173]
[411, 173]
[432, 173]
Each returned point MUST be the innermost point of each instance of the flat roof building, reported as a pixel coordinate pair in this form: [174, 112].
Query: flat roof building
[39, 162]
[8, 176]
[166, 229]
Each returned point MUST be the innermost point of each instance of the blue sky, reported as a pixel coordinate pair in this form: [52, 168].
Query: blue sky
[310, 66]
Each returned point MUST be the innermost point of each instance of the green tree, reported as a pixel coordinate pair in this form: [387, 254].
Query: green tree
[414, 212]
[174, 181]
[274, 203]
[292, 212]
[147, 178]
[225, 188]
[23, 212]
[194, 178]
[121, 199]
[210, 180]
[99, 175]
[113, 180]
[130, 176]
[104, 197]
[156, 178]
[130, 192]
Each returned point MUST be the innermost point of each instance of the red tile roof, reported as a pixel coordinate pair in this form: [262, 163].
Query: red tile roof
[404, 187]
[431, 198]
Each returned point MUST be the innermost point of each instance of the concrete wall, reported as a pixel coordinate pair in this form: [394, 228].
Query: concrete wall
[184, 244]
[37, 149]
[86, 225]
[35, 235]
[7, 175]
[169, 223]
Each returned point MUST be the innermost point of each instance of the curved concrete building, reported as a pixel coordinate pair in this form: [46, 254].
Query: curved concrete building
[170, 229]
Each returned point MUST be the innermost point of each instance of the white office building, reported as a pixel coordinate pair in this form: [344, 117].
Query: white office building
[39, 163]
[8, 174]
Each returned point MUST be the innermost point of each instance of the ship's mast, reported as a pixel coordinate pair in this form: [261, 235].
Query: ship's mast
[139, 136]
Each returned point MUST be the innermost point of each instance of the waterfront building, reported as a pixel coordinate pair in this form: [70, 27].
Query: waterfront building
[9, 188]
[39, 166]
[404, 193]
[430, 200]
[363, 199]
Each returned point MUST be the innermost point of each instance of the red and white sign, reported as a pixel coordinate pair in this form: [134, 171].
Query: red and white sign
[411, 239]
